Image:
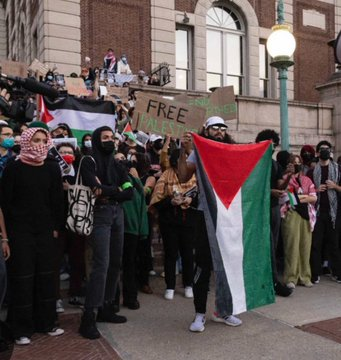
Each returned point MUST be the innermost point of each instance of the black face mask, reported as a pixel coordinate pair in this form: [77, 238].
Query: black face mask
[307, 157]
[298, 168]
[157, 145]
[108, 147]
[324, 154]
[16, 149]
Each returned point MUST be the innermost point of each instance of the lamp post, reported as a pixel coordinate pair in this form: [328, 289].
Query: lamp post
[281, 45]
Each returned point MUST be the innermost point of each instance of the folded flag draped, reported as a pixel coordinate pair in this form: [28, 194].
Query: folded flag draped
[81, 115]
[234, 183]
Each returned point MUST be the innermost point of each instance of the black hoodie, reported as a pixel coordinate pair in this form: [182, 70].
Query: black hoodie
[105, 168]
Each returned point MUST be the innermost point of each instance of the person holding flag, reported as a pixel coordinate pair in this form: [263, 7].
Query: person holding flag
[234, 222]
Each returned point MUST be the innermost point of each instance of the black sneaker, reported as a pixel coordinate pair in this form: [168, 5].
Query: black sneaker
[76, 301]
[132, 305]
[282, 290]
[315, 279]
[326, 271]
[337, 279]
[111, 318]
[88, 327]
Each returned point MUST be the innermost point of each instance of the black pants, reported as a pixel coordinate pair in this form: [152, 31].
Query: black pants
[324, 232]
[177, 238]
[275, 228]
[129, 267]
[31, 279]
[203, 266]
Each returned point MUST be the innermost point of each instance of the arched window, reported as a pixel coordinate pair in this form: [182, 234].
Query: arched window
[225, 47]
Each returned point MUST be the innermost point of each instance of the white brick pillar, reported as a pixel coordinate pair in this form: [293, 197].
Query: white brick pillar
[62, 35]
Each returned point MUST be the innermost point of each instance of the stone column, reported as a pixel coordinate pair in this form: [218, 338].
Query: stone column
[62, 35]
[330, 93]
[3, 34]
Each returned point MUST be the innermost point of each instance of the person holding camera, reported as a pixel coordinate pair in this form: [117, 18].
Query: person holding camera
[177, 224]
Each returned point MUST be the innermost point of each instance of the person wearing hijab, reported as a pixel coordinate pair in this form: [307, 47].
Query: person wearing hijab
[32, 203]
[109, 181]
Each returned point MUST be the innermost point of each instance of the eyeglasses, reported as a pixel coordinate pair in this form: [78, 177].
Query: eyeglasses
[217, 127]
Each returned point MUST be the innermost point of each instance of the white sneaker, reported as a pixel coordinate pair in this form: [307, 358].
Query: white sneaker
[169, 294]
[23, 340]
[59, 306]
[188, 292]
[228, 320]
[198, 324]
[56, 332]
[291, 285]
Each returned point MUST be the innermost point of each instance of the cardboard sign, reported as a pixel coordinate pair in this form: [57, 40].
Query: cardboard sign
[76, 86]
[220, 103]
[38, 67]
[156, 115]
[72, 141]
[114, 93]
[13, 68]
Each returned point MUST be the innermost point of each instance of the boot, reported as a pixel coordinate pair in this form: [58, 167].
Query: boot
[107, 314]
[88, 327]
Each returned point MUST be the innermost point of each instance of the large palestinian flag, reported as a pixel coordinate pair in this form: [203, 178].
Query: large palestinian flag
[234, 183]
[81, 115]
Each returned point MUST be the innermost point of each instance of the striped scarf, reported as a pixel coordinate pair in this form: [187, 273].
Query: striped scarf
[333, 175]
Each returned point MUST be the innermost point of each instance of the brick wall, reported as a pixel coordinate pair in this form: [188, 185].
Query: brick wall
[316, 60]
[185, 5]
[122, 25]
[266, 12]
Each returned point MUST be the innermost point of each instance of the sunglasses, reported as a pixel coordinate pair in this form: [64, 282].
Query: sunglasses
[217, 127]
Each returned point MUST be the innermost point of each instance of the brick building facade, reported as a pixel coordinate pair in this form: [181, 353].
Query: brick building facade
[63, 32]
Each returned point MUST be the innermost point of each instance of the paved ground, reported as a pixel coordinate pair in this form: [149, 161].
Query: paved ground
[159, 330]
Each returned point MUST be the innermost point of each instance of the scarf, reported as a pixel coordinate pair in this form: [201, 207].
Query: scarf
[33, 154]
[333, 175]
[112, 61]
[168, 183]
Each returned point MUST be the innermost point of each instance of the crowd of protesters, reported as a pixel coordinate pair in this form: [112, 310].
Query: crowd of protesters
[140, 181]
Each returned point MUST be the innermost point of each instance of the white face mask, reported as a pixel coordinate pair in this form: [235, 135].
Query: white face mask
[87, 143]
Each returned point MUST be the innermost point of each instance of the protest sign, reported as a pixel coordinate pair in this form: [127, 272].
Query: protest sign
[220, 103]
[157, 115]
[72, 141]
[38, 67]
[13, 68]
[53, 152]
[76, 86]
[115, 94]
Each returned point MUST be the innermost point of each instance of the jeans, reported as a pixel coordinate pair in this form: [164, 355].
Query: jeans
[106, 242]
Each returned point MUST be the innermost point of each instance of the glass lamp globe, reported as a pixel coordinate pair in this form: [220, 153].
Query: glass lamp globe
[281, 43]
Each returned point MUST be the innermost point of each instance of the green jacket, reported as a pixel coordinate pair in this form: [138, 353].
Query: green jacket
[135, 212]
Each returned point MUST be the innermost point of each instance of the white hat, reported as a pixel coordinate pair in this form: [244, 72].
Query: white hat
[3, 122]
[154, 137]
[214, 120]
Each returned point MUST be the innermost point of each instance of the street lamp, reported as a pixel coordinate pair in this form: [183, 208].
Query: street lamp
[281, 45]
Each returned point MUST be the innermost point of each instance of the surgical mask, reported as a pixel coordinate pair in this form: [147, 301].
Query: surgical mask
[108, 147]
[8, 143]
[324, 154]
[68, 158]
[307, 157]
[87, 143]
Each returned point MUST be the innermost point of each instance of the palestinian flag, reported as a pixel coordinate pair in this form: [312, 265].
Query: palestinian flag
[234, 183]
[128, 132]
[82, 115]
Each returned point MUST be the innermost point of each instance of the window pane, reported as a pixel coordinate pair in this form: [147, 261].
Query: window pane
[221, 17]
[262, 61]
[181, 79]
[214, 58]
[213, 80]
[233, 48]
[181, 49]
[235, 81]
